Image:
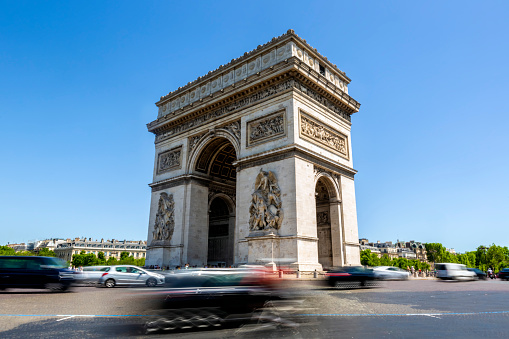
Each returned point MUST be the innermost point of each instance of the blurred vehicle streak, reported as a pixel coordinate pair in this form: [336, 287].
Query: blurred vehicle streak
[352, 277]
[35, 272]
[203, 298]
[390, 273]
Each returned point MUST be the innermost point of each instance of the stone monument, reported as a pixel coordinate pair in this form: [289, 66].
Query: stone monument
[253, 164]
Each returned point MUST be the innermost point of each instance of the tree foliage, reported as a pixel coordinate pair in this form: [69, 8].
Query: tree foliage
[371, 259]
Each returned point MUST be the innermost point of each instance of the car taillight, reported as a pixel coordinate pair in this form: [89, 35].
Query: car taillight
[104, 274]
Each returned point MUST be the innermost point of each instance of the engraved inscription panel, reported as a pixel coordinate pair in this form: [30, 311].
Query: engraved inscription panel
[169, 160]
[266, 128]
[323, 135]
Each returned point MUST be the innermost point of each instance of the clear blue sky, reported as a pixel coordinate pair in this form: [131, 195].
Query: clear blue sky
[78, 82]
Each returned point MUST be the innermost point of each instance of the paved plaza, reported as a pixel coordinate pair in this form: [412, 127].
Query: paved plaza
[415, 308]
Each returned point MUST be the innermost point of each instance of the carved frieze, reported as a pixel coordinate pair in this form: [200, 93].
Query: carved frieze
[265, 210]
[323, 135]
[165, 222]
[169, 160]
[266, 128]
[248, 100]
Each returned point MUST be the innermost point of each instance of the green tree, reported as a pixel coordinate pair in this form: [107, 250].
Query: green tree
[369, 259]
[84, 259]
[6, 250]
[435, 252]
[46, 252]
[385, 260]
[112, 261]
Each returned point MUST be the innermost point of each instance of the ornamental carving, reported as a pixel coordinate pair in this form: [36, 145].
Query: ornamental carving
[265, 210]
[322, 218]
[324, 135]
[229, 191]
[266, 128]
[248, 100]
[193, 141]
[233, 128]
[165, 223]
[169, 160]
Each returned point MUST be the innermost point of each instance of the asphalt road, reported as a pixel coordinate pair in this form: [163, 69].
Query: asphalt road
[418, 308]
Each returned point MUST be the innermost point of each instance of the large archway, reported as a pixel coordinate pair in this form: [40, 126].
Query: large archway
[215, 161]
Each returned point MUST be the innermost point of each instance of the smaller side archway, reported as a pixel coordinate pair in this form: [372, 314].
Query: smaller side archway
[221, 231]
[328, 223]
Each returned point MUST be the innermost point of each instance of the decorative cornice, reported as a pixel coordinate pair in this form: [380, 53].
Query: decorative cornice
[273, 87]
[305, 51]
[287, 152]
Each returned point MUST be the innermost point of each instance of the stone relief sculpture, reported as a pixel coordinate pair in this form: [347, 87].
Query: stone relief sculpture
[322, 218]
[265, 210]
[165, 223]
[194, 140]
[266, 128]
[234, 128]
[169, 160]
[323, 135]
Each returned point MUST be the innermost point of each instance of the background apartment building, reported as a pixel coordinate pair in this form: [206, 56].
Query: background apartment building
[110, 248]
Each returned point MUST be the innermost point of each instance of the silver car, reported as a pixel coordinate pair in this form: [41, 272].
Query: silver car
[123, 275]
[90, 274]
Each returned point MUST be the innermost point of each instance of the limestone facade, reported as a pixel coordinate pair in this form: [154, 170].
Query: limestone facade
[256, 159]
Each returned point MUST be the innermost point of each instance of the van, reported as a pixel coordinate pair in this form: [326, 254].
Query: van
[34, 272]
[450, 271]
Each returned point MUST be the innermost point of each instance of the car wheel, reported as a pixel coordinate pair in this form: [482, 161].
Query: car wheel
[109, 283]
[151, 282]
[55, 287]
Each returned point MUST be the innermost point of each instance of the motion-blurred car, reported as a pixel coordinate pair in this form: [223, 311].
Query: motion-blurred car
[351, 277]
[126, 275]
[390, 273]
[211, 297]
[504, 274]
[35, 272]
[480, 274]
[90, 274]
[451, 271]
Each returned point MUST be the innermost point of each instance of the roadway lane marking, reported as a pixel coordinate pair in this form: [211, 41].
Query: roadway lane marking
[69, 317]
[400, 314]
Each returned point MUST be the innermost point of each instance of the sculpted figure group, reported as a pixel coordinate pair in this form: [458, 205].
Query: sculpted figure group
[165, 223]
[318, 132]
[265, 210]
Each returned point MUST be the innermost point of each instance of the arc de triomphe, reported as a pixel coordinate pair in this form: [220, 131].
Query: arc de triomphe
[253, 163]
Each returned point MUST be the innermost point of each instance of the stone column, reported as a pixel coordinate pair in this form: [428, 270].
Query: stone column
[337, 236]
[196, 224]
[349, 219]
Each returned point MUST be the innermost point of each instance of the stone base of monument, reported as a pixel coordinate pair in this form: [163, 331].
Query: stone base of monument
[160, 253]
[275, 252]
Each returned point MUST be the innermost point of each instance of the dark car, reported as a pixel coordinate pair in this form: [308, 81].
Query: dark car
[480, 274]
[351, 277]
[504, 274]
[212, 297]
[34, 272]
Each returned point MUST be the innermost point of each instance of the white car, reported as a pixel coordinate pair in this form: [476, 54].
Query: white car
[390, 273]
[450, 271]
